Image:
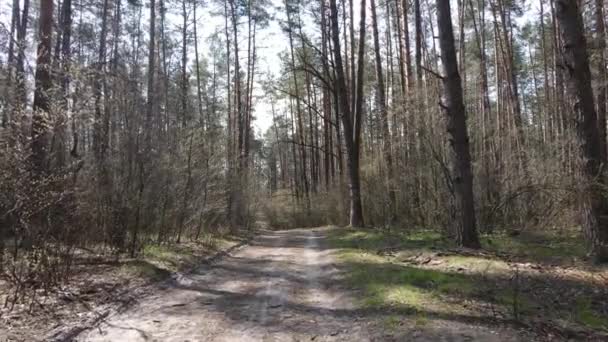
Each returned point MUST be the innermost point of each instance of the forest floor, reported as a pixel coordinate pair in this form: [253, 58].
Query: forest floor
[539, 282]
[340, 284]
[284, 286]
[102, 283]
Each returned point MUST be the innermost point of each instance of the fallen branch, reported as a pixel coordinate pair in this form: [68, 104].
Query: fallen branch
[71, 333]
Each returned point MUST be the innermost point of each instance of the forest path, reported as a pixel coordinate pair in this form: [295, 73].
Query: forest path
[282, 287]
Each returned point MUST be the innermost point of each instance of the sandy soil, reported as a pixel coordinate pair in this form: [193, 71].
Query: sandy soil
[285, 286]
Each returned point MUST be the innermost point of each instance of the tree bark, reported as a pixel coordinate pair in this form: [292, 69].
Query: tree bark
[406, 38]
[199, 95]
[462, 178]
[100, 125]
[184, 66]
[578, 79]
[381, 101]
[151, 75]
[418, 46]
[300, 131]
[42, 88]
[602, 92]
[352, 130]
[401, 52]
[10, 64]
[144, 157]
[237, 202]
[21, 46]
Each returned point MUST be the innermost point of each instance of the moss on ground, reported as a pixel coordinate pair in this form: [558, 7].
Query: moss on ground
[421, 273]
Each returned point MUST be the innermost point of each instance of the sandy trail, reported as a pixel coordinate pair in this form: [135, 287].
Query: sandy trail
[284, 286]
[280, 288]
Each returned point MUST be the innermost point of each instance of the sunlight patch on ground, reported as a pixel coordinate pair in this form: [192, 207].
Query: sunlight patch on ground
[419, 272]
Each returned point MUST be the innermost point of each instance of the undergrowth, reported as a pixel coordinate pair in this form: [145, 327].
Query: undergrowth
[515, 278]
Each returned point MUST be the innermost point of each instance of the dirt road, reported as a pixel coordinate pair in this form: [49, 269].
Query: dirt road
[282, 287]
[285, 286]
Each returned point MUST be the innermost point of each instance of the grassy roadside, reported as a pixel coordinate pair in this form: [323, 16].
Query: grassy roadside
[532, 279]
[159, 261]
[104, 282]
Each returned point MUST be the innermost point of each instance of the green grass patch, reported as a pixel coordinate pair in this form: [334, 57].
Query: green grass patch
[539, 246]
[176, 257]
[392, 322]
[517, 304]
[162, 252]
[158, 261]
[172, 257]
[375, 239]
[421, 321]
[536, 246]
[476, 264]
[144, 269]
[587, 316]
[421, 273]
[414, 288]
[388, 284]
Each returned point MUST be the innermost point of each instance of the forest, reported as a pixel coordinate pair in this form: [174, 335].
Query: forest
[429, 169]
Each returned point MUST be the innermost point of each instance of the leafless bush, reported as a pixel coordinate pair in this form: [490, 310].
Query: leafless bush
[108, 207]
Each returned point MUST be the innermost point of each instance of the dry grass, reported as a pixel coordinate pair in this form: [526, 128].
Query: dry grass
[100, 282]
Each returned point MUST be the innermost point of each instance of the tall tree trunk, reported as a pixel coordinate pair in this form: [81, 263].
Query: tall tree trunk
[163, 64]
[66, 51]
[42, 88]
[99, 127]
[151, 75]
[187, 192]
[602, 91]
[381, 99]
[462, 177]
[489, 178]
[237, 202]
[352, 130]
[326, 99]
[311, 131]
[102, 122]
[547, 97]
[229, 123]
[356, 208]
[150, 102]
[406, 38]
[251, 59]
[199, 96]
[300, 130]
[184, 66]
[401, 51]
[578, 74]
[558, 81]
[10, 64]
[20, 76]
[353, 76]
[418, 24]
